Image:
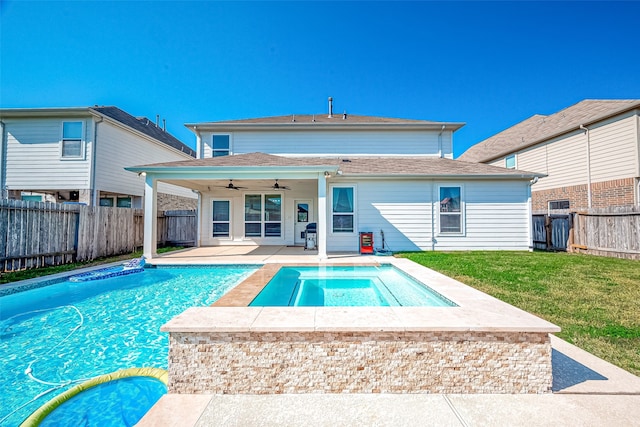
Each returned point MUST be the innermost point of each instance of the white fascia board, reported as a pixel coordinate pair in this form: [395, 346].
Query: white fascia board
[445, 176]
[228, 127]
[45, 112]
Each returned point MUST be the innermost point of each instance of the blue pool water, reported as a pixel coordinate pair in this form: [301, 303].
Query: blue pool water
[347, 286]
[117, 403]
[64, 332]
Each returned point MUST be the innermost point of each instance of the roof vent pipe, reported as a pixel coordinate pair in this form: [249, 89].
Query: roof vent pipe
[330, 107]
[344, 115]
[164, 125]
[157, 119]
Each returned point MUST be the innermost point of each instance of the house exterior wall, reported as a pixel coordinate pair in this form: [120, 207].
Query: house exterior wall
[34, 156]
[33, 160]
[611, 162]
[326, 143]
[405, 210]
[118, 148]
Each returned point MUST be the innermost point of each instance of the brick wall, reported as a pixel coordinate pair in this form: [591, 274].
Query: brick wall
[359, 362]
[617, 192]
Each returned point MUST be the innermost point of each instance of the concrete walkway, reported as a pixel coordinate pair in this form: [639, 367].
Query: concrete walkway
[587, 391]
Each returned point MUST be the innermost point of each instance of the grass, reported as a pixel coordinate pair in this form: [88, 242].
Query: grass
[595, 300]
[15, 276]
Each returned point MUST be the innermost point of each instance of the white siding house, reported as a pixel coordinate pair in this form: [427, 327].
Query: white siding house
[589, 152]
[79, 155]
[262, 181]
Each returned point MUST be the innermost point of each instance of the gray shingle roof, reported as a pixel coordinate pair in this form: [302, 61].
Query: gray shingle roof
[353, 165]
[145, 126]
[540, 128]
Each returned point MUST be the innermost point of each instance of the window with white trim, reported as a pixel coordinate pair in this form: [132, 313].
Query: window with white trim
[450, 210]
[343, 209]
[221, 218]
[220, 145]
[559, 204]
[71, 147]
[263, 215]
[510, 162]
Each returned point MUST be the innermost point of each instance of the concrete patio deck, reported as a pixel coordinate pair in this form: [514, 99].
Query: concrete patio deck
[586, 390]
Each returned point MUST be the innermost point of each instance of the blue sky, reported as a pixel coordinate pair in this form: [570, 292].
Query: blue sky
[488, 64]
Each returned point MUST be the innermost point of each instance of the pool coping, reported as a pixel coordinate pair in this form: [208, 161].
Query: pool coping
[476, 311]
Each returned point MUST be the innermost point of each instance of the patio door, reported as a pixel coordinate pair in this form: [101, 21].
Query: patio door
[303, 215]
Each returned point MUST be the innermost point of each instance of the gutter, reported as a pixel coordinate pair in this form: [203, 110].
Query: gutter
[219, 127]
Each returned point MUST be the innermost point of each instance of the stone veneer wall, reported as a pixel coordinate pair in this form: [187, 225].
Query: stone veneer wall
[359, 362]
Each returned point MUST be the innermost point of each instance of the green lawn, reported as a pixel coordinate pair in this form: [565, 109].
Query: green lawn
[595, 300]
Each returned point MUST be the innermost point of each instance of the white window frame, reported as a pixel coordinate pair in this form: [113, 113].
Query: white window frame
[81, 141]
[355, 209]
[461, 213]
[213, 222]
[213, 148]
[263, 213]
[515, 161]
[558, 201]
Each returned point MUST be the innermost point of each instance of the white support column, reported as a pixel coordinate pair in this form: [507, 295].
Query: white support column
[150, 218]
[322, 216]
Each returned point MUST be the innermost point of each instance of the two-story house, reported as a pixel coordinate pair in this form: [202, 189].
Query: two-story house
[262, 181]
[78, 155]
[589, 152]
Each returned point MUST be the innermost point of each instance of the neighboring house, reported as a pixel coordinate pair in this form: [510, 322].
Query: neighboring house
[590, 153]
[78, 155]
[262, 181]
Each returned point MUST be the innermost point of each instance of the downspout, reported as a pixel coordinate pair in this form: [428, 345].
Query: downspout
[433, 215]
[530, 213]
[92, 183]
[588, 165]
[3, 165]
[440, 141]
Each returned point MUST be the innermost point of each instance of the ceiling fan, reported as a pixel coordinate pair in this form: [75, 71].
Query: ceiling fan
[277, 186]
[230, 186]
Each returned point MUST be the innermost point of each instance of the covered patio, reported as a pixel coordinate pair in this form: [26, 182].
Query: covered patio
[254, 200]
[260, 255]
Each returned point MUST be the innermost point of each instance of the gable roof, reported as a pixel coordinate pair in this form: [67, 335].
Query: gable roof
[348, 166]
[142, 125]
[539, 128]
[145, 126]
[322, 121]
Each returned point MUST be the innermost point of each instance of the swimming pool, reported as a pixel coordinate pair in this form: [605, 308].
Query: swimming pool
[54, 336]
[352, 286]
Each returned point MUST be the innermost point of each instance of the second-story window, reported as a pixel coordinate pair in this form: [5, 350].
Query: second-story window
[71, 140]
[220, 145]
[510, 162]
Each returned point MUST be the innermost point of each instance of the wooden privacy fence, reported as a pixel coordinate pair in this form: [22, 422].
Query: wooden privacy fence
[551, 232]
[613, 232]
[34, 234]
